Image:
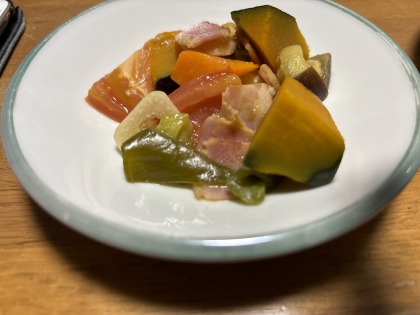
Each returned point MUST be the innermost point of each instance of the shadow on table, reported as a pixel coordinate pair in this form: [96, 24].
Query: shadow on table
[215, 287]
[416, 58]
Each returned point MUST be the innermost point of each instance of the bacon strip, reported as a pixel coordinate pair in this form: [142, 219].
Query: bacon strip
[201, 33]
[226, 137]
[216, 127]
[212, 193]
[269, 77]
[250, 102]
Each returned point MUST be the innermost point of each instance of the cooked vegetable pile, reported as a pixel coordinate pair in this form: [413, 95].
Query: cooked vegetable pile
[229, 109]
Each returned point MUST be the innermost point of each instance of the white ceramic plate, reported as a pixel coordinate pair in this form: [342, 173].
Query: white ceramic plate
[64, 155]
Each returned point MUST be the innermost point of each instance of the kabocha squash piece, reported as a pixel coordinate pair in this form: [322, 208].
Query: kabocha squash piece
[307, 72]
[164, 52]
[325, 61]
[269, 30]
[297, 138]
[192, 64]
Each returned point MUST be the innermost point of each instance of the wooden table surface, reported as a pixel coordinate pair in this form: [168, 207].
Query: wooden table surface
[46, 268]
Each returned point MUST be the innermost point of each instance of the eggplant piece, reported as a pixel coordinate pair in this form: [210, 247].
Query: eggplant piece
[313, 81]
[325, 61]
[166, 84]
[309, 73]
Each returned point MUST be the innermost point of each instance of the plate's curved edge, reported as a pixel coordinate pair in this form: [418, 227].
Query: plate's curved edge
[283, 242]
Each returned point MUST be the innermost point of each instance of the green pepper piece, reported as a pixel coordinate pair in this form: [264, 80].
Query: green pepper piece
[178, 127]
[152, 156]
[250, 186]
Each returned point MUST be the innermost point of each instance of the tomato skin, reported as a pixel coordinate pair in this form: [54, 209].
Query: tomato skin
[116, 94]
[100, 98]
[199, 113]
[203, 87]
[202, 96]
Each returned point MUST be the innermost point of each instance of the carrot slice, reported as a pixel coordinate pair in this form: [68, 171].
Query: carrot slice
[192, 64]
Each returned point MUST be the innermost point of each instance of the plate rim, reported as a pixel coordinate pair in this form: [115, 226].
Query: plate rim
[210, 250]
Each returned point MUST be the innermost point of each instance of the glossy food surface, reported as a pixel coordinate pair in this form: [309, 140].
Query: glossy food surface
[70, 177]
[48, 268]
[270, 30]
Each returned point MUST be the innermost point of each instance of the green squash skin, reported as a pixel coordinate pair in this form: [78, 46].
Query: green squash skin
[325, 60]
[324, 177]
[269, 30]
[320, 177]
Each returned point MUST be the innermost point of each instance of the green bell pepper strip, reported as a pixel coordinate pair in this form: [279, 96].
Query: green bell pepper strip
[152, 156]
[155, 157]
[250, 186]
[178, 127]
